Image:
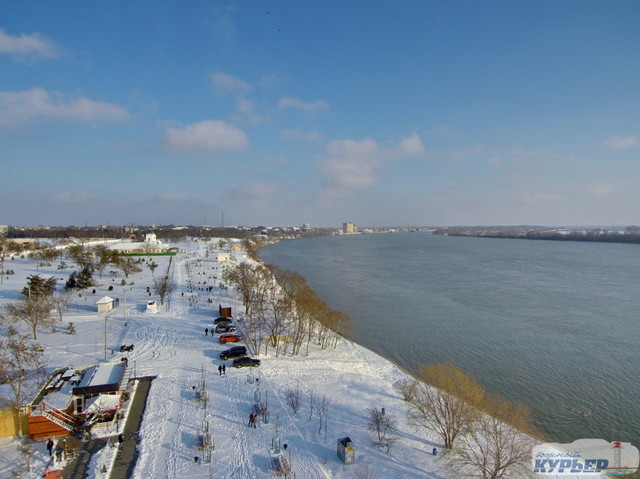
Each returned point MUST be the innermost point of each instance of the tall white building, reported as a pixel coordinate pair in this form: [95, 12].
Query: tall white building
[349, 228]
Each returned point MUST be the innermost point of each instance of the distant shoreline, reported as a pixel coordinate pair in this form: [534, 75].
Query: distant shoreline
[594, 237]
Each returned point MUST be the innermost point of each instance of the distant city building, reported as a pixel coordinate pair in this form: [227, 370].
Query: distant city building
[349, 228]
[306, 227]
[4, 229]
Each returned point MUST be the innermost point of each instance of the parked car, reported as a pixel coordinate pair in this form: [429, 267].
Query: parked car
[230, 338]
[246, 361]
[225, 328]
[234, 352]
[222, 321]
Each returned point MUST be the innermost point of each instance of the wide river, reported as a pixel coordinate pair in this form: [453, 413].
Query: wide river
[554, 325]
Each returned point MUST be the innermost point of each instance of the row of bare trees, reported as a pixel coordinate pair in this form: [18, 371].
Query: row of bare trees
[487, 436]
[281, 310]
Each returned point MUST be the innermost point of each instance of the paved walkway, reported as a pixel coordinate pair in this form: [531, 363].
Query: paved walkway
[125, 460]
[127, 451]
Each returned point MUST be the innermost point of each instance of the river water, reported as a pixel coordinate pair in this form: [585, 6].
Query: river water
[551, 324]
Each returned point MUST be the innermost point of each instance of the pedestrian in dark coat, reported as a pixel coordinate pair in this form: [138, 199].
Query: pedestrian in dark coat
[224, 370]
[255, 420]
[220, 370]
[250, 419]
[50, 446]
[206, 332]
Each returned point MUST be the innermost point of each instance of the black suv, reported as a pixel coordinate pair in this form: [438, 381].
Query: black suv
[234, 352]
[222, 321]
[242, 362]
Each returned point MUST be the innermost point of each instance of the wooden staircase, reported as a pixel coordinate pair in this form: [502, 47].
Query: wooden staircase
[48, 421]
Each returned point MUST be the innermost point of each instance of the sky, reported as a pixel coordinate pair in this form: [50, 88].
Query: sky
[274, 113]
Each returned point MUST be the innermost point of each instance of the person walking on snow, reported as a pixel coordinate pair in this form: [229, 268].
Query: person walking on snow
[50, 447]
[206, 331]
[250, 419]
[220, 370]
[224, 369]
[255, 420]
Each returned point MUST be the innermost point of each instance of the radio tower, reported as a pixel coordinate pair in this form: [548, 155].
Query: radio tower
[222, 219]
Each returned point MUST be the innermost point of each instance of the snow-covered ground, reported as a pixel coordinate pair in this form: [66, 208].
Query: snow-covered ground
[172, 346]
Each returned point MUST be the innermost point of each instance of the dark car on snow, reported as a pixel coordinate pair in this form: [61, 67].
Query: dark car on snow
[225, 328]
[222, 321]
[246, 361]
[234, 352]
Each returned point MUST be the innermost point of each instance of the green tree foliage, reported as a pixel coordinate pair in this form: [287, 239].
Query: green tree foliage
[81, 280]
[103, 257]
[37, 286]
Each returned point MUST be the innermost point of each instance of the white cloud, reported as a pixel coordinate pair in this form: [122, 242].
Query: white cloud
[207, 135]
[296, 103]
[248, 112]
[32, 45]
[620, 142]
[298, 134]
[412, 145]
[38, 104]
[225, 82]
[352, 165]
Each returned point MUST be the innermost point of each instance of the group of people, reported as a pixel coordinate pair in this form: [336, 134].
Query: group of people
[57, 451]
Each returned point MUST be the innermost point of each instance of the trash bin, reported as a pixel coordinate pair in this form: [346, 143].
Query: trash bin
[346, 450]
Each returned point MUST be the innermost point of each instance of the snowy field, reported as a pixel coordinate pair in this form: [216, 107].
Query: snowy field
[171, 345]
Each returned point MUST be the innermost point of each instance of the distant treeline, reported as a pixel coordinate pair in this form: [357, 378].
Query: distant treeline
[164, 232]
[599, 237]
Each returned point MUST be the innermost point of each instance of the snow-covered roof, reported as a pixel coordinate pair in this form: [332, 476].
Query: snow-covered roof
[105, 300]
[108, 373]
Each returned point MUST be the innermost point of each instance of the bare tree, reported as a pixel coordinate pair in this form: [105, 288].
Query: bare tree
[60, 301]
[247, 279]
[4, 252]
[323, 413]
[313, 396]
[494, 449]
[163, 286]
[406, 387]
[35, 312]
[382, 424]
[294, 399]
[447, 405]
[22, 368]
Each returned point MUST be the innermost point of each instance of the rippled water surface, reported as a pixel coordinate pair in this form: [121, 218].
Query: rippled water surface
[554, 325]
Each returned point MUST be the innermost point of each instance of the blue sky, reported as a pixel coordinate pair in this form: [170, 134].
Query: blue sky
[289, 112]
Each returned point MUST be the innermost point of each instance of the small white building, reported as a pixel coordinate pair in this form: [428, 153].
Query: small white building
[152, 306]
[106, 304]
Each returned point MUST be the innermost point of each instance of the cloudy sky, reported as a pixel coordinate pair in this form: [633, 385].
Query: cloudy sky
[296, 111]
